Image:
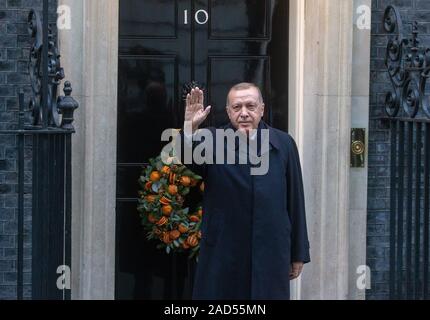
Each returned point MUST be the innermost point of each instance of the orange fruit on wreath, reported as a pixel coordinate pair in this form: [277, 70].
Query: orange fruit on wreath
[185, 181]
[192, 240]
[165, 200]
[194, 218]
[165, 170]
[150, 198]
[148, 185]
[166, 238]
[182, 228]
[172, 189]
[167, 210]
[162, 221]
[155, 176]
[174, 234]
[193, 182]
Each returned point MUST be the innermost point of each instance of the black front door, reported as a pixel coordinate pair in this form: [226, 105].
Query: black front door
[163, 45]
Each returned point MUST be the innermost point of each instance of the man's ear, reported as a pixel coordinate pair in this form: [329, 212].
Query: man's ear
[262, 111]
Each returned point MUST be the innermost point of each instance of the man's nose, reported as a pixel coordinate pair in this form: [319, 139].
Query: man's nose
[244, 112]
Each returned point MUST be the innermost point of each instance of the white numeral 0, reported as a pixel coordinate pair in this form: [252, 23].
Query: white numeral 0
[196, 16]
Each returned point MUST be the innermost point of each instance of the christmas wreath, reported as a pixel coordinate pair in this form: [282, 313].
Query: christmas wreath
[162, 198]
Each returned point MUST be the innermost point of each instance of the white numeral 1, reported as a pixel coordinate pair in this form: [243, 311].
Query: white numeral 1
[185, 16]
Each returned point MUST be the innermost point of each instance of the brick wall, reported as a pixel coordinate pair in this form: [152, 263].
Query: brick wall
[14, 52]
[379, 144]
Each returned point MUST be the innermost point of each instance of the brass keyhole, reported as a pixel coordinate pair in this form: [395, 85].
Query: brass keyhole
[357, 147]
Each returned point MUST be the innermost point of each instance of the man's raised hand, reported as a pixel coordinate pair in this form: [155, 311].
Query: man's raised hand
[195, 113]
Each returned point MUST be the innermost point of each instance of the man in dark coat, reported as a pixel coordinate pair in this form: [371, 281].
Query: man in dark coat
[254, 236]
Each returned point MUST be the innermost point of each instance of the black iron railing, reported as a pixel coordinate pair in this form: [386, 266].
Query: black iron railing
[50, 132]
[407, 108]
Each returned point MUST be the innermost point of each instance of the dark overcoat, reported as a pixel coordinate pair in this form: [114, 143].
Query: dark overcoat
[253, 226]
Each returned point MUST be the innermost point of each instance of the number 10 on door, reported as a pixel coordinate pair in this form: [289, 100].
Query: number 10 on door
[201, 16]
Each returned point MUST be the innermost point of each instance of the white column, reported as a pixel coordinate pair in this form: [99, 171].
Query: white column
[296, 90]
[90, 57]
[320, 120]
[359, 119]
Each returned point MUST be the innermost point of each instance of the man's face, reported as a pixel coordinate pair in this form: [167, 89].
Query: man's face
[245, 109]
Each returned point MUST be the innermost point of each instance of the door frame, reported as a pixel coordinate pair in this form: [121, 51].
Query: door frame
[90, 58]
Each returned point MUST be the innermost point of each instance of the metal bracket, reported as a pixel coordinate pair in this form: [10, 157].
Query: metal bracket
[358, 147]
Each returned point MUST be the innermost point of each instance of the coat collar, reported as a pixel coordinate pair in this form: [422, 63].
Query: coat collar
[273, 135]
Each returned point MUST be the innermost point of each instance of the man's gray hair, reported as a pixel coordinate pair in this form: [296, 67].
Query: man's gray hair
[244, 86]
